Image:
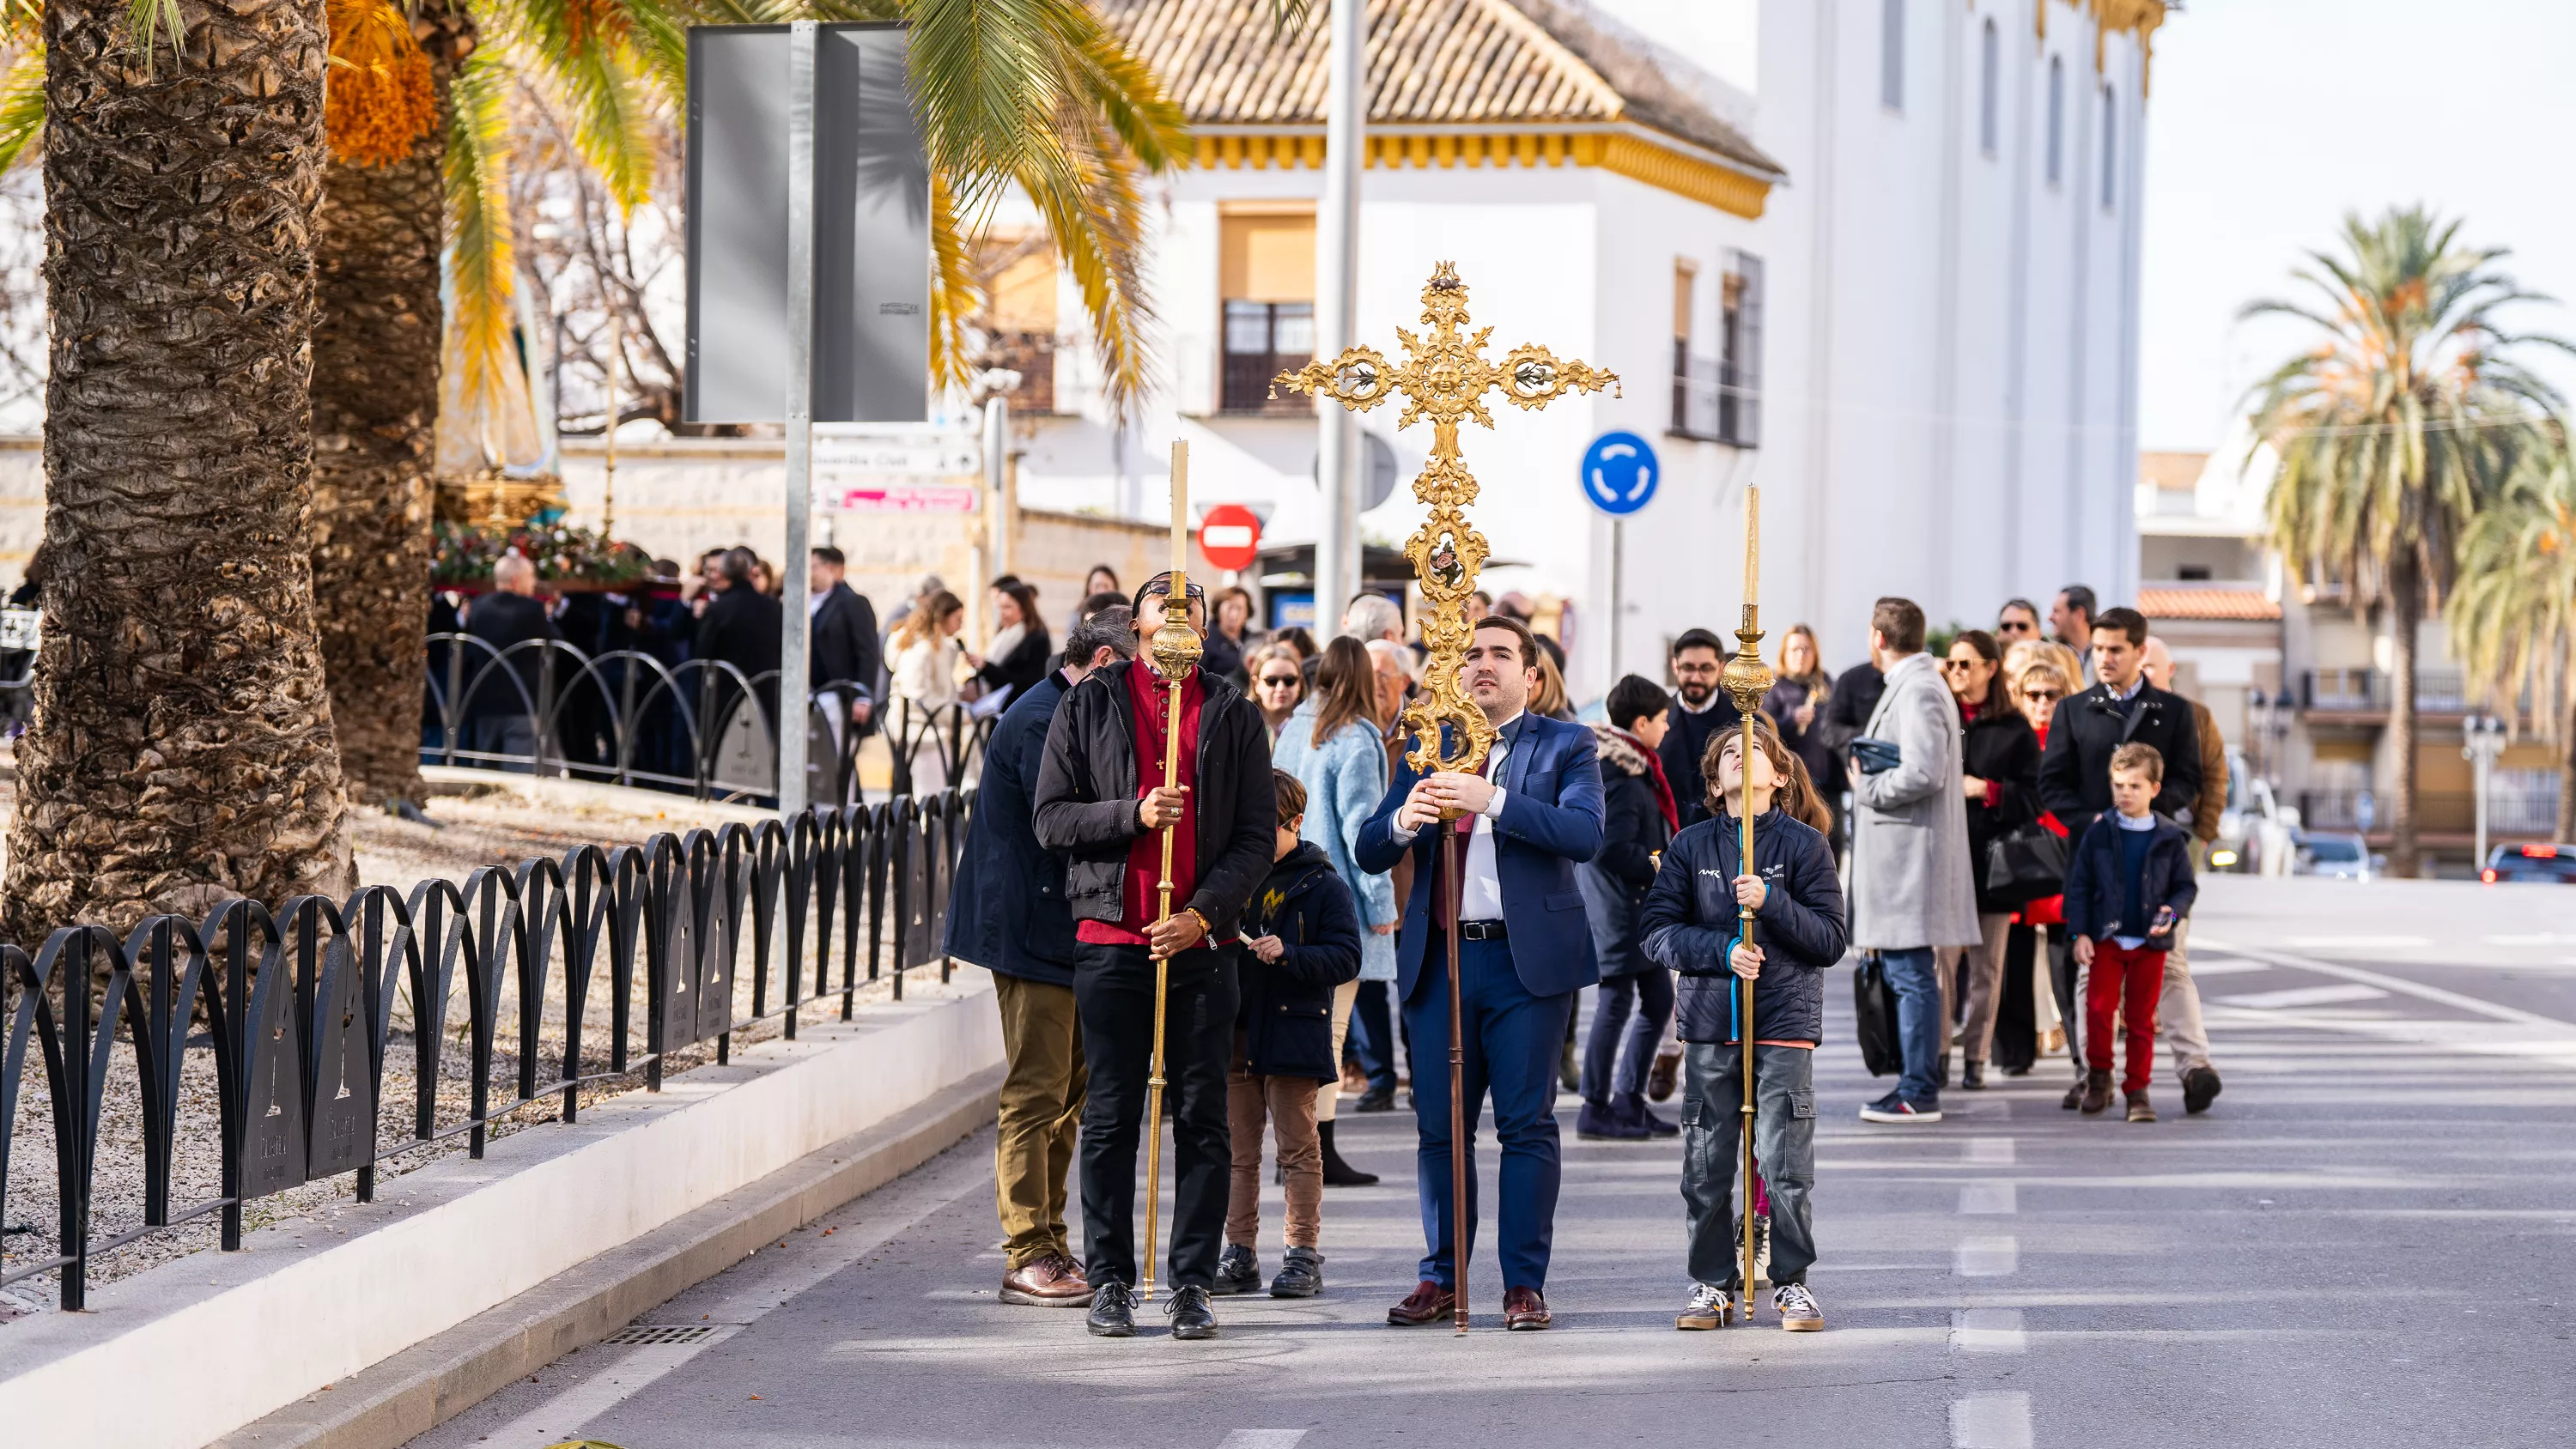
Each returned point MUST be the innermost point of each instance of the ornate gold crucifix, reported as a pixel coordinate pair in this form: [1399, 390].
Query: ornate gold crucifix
[1445, 379]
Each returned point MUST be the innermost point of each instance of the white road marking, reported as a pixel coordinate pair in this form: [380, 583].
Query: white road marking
[2359, 943]
[2306, 996]
[1990, 1421]
[2545, 938]
[1988, 1152]
[2200, 968]
[1262, 1439]
[1988, 1330]
[1987, 1258]
[2403, 987]
[1988, 1198]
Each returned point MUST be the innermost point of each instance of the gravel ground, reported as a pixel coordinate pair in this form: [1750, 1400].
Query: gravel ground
[497, 827]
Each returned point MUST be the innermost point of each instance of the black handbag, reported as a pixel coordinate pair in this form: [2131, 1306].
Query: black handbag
[1874, 1006]
[2025, 864]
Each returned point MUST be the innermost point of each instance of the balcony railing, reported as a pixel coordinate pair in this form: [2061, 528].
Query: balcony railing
[2449, 812]
[2366, 691]
[1711, 403]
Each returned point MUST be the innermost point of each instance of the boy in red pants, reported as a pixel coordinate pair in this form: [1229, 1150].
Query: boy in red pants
[2126, 889]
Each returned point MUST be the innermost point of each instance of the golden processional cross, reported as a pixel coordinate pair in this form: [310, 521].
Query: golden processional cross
[1445, 378]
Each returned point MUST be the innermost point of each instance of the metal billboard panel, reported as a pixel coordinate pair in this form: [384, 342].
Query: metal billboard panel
[872, 228]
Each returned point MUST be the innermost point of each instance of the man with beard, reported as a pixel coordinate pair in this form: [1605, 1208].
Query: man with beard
[1701, 711]
[1523, 952]
[1102, 804]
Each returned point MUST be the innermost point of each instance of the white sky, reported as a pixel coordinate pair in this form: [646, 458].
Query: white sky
[2268, 119]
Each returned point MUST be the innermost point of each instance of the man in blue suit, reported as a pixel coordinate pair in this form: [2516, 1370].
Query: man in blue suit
[1523, 951]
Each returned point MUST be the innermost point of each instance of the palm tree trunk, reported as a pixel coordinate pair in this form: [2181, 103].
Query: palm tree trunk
[2566, 779]
[181, 750]
[2406, 611]
[375, 434]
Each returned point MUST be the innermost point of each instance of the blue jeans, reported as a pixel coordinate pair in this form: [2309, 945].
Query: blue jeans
[1917, 983]
[1609, 1073]
[1373, 1034]
[1512, 1040]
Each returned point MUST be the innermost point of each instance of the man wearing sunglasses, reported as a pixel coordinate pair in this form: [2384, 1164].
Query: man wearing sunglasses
[2016, 621]
[1102, 805]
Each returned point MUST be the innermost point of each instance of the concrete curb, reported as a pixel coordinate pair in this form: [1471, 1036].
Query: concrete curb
[421, 1387]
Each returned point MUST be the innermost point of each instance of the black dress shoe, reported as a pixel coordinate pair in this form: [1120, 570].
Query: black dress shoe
[1338, 1173]
[1190, 1314]
[1376, 1099]
[1113, 1311]
[1973, 1076]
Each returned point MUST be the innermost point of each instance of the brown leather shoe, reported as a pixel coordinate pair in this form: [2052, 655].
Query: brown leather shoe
[1050, 1280]
[1427, 1303]
[1525, 1310]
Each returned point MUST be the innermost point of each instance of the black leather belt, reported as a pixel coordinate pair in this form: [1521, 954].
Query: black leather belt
[1482, 930]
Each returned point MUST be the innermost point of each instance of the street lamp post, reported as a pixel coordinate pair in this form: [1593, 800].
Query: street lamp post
[2481, 740]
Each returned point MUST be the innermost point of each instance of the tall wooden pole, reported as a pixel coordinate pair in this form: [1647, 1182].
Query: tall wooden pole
[1746, 680]
[1175, 653]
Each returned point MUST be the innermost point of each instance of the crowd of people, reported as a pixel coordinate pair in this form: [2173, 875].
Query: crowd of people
[2028, 793]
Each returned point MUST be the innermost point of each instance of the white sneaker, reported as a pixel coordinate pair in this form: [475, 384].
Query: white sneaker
[1798, 1310]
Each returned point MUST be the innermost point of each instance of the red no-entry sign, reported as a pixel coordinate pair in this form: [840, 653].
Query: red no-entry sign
[1230, 536]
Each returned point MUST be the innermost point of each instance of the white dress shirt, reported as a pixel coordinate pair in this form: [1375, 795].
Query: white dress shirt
[1482, 898]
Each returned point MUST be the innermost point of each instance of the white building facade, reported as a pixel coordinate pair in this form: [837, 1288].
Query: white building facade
[1878, 258]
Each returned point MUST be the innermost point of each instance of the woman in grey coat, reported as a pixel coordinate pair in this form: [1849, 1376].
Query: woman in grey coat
[1912, 888]
[1333, 746]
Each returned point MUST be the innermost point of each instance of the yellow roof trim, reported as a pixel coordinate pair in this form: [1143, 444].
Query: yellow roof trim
[1628, 153]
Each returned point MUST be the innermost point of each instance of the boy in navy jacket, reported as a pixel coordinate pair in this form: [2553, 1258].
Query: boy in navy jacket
[2128, 886]
[1301, 939]
[1690, 924]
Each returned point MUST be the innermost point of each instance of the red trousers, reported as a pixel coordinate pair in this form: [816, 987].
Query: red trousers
[2126, 984]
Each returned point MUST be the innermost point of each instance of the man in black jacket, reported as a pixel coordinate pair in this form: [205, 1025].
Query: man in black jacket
[844, 651]
[2075, 768]
[1101, 803]
[1700, 712]
[1007, 914]
[501, 714]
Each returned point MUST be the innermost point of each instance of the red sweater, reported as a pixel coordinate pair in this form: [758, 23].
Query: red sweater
[1139, 896]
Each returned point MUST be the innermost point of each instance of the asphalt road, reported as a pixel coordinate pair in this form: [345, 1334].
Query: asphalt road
[2371, 1239]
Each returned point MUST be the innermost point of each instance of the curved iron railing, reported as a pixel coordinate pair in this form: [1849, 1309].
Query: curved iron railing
[626, 718]
[298, 1012]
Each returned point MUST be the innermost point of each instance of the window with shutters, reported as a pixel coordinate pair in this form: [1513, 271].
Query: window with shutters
[1719, 399]
[1266, 267]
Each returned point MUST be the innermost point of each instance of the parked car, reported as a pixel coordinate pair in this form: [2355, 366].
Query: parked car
[2541, 864]
[2340, 856]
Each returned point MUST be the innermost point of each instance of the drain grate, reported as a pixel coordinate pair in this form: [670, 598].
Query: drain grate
[662, 1333]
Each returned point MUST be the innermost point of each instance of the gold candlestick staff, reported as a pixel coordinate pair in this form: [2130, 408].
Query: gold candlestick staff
[1746, 680]
[1175, 651]
[1445, 378]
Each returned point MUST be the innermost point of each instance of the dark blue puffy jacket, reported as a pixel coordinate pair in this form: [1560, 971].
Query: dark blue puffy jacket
[1689, 924]
[1287, 1011]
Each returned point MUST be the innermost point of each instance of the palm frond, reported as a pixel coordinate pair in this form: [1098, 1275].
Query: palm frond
[953, 294]
[591, 56]
[145, 20]
[480, 243]
[22, 107]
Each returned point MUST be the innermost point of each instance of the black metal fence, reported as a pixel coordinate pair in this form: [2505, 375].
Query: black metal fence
[300, 1012]
[702, 727]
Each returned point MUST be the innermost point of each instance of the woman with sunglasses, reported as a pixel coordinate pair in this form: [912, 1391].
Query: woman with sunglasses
[2038, 671]
[1278, 676]
[1999, 774]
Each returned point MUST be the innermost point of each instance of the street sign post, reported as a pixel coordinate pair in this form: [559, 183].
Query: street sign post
[808, 226]
[1619, 475]
[1230, 536]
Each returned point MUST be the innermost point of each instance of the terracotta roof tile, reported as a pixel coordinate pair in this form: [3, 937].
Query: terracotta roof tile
[2204, 601]
[1430, 62]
